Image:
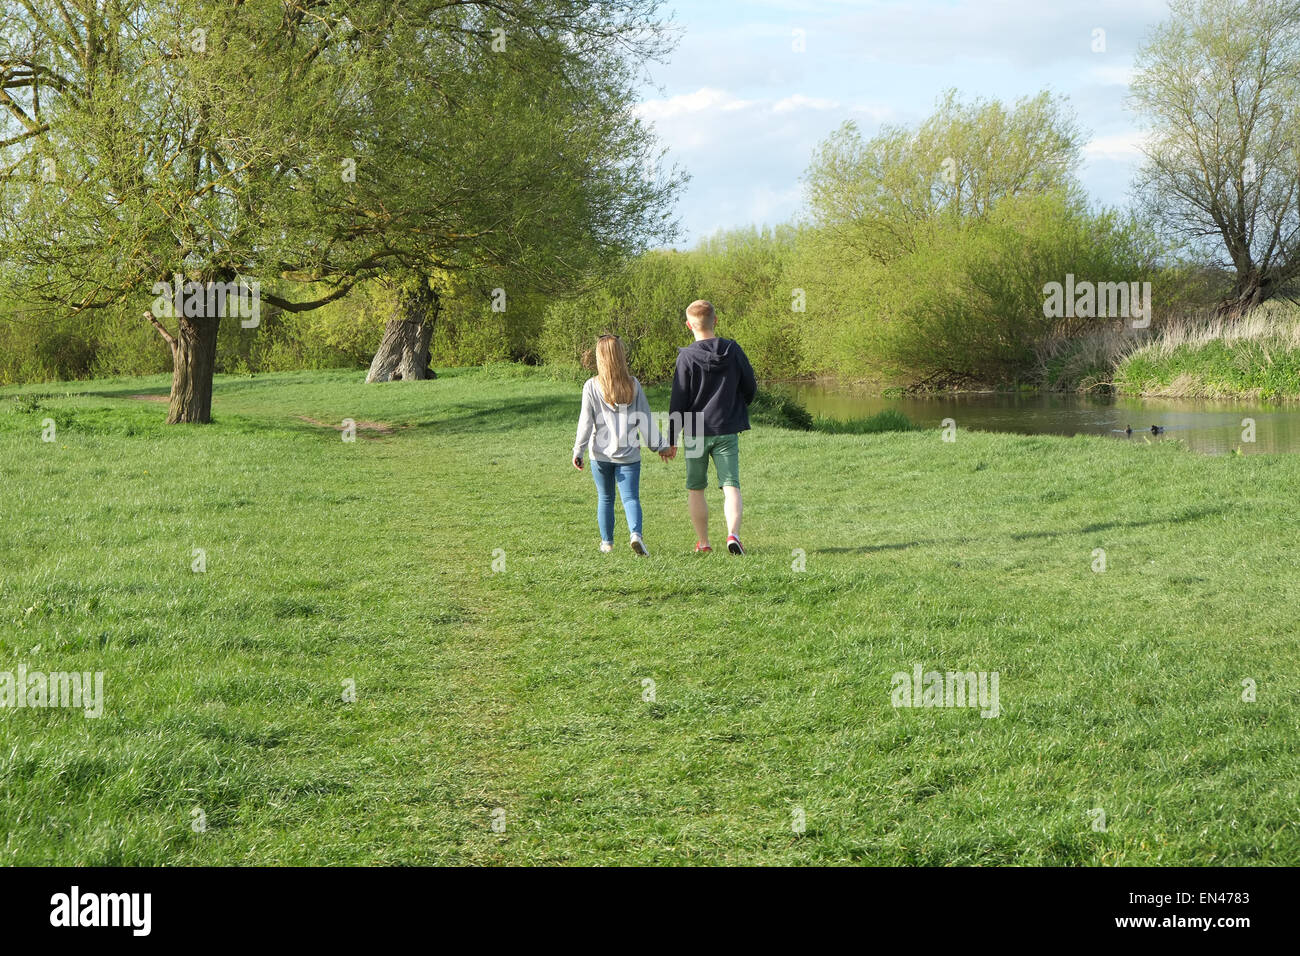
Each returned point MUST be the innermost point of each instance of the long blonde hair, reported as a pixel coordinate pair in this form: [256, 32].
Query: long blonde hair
[612, 373]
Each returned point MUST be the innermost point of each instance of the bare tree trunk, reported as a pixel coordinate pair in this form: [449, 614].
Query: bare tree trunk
[1252, 291]
[194, 359]
[403, 353]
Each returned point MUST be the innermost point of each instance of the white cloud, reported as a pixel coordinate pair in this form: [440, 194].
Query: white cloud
[745, 155]
[1112, 75]
[705, 99]
[768, 205]
[877, 114]
[709, 99]
[801, 102]
[1123, 147]
[722, 124]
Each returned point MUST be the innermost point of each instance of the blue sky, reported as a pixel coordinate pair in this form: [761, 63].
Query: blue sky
[741, 110]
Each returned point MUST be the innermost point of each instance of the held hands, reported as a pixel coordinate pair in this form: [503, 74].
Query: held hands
[665, 454]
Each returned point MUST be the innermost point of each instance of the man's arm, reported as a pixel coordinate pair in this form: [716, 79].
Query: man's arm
[748, 384]
[677, 403]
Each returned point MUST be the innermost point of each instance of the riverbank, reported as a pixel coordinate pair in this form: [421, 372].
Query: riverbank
[1252, 359]
[605, 709]
[1257, 357]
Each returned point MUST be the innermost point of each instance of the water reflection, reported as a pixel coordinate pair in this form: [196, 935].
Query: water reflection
[1212, 427]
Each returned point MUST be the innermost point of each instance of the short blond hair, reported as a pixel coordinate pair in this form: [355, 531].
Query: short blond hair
[701, 315]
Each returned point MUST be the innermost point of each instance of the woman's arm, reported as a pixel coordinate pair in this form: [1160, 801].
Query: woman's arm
[651, 431]
[586, 424]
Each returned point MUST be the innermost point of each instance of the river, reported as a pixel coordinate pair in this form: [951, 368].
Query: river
[1211, 427]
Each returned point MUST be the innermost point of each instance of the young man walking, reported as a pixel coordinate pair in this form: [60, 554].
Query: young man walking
[712, 388]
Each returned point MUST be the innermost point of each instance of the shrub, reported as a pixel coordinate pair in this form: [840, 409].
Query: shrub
[967, 307]
[887, 420]
[775, 406]
[644, 303]
[743, 273]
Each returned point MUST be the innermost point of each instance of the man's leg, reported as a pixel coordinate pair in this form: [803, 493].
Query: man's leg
[727, 461]
[697, 482]
[699, 507]
[733, 508]
[726, 458]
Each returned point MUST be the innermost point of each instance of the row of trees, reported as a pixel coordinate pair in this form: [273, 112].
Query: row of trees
[413, 160]
[928, 248]
[1218, 87]
[314, 145]
[962, 307]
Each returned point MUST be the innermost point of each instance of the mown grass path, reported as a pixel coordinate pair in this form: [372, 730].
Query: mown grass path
[519, 695]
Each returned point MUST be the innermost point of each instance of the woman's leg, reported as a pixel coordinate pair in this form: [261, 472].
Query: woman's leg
[629, 489]
[602, 472]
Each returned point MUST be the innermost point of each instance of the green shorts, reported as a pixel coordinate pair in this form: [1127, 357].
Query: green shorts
[725, 450]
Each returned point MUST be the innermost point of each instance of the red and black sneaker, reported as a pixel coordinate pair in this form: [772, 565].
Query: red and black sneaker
[733, 545]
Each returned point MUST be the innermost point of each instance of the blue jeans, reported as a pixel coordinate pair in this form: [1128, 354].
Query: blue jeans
[628, 478]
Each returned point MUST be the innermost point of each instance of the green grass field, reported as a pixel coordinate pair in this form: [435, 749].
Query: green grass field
[516, 698]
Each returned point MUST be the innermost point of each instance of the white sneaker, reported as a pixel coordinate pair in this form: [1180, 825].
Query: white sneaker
[639, 546]
[606, 547]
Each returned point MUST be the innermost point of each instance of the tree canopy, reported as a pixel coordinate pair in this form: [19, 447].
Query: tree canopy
[313, 145]
[1219, 85]
[877, 196]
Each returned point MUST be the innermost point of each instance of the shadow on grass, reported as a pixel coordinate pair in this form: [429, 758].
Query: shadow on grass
[503, 416]
[481, 419]
[128, 391]
[219, 389]
[488, 417]
[1195, 514]
[901, 546]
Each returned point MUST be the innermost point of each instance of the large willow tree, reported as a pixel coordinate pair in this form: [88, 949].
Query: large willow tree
[309, 146]
[877, 199]
[1219, 86]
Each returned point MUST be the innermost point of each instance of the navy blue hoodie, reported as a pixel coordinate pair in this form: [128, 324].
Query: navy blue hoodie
[715, 380]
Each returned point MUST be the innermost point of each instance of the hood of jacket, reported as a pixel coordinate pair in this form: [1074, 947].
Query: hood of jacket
[708, 354]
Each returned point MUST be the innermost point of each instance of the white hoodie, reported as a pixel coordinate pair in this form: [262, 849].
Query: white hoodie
[610, 431]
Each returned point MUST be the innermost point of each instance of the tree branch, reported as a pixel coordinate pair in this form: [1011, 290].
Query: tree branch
[167, 336]
[288, 306]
